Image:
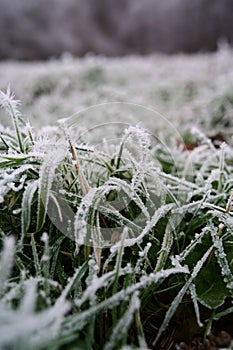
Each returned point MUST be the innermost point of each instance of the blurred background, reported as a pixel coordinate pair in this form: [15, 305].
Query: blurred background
[41, 29]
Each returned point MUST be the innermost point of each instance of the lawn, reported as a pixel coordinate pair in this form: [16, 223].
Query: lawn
[116, 189]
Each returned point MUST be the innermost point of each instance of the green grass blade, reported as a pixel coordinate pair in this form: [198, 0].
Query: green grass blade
[27, 200]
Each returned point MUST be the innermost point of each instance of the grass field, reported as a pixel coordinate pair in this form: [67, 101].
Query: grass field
[116, 226]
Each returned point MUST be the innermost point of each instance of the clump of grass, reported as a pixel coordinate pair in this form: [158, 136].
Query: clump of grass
[110, 264]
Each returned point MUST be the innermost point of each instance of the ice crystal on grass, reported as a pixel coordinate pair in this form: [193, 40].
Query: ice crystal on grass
[152, 230]
[121, 329]
[222, 260]
[195, 303]
[6, 261]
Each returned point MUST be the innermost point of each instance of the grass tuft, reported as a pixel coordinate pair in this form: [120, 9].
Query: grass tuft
[102, 247]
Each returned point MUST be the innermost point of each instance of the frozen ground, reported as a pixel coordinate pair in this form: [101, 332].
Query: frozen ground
[195, 89]
[170, 208]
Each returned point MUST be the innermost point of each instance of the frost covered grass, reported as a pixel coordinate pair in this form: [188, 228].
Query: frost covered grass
[187, 89]
[114, 245]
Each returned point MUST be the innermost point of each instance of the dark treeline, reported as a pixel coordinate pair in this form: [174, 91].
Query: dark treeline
[38, 29]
